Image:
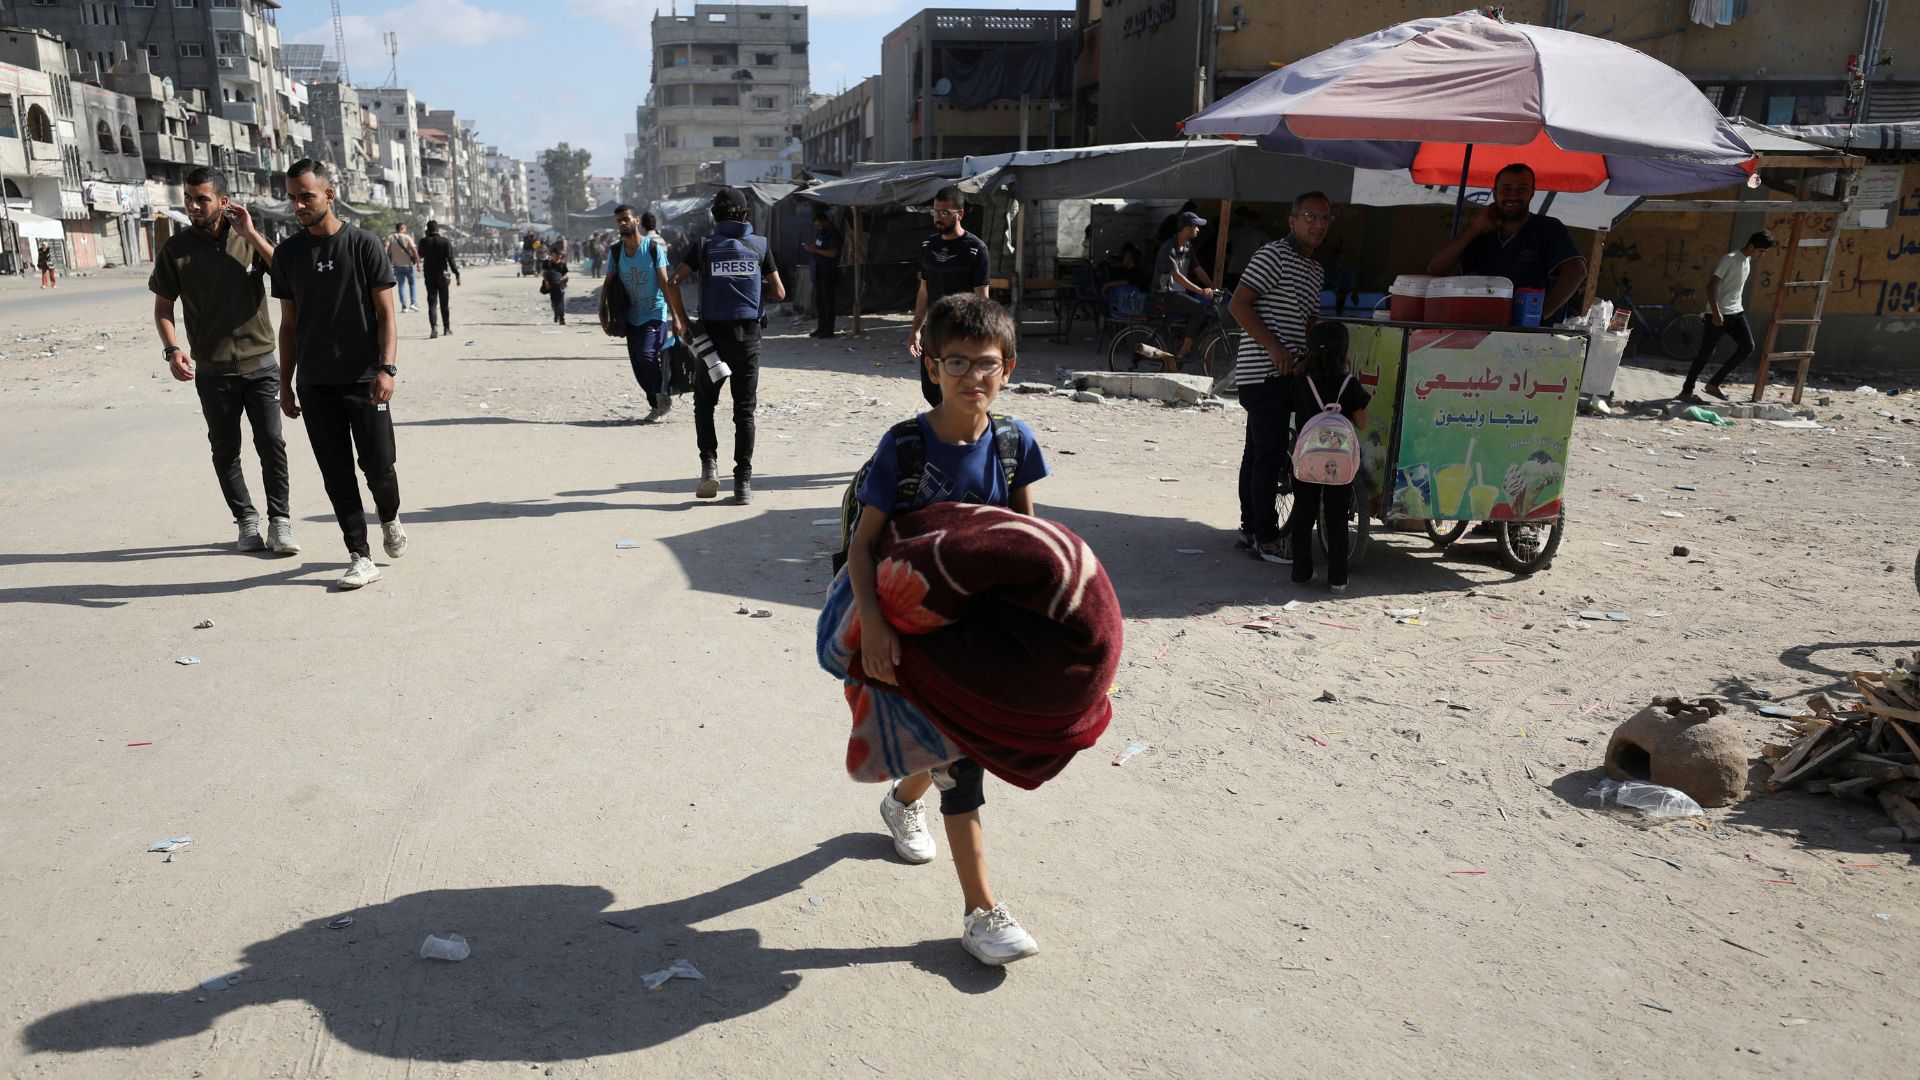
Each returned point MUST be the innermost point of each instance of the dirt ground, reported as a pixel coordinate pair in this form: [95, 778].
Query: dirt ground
[581, 758]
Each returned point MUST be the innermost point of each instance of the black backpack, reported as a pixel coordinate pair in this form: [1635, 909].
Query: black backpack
[613, 292]
[910, 448]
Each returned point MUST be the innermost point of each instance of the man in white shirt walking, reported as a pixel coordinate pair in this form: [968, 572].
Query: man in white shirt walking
[1727, 314]
[404, 254]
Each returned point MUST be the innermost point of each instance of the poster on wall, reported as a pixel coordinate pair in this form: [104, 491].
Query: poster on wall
[1373, 351]
[1484, 424]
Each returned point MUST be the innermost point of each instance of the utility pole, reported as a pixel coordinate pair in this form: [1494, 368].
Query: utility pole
[340, 43]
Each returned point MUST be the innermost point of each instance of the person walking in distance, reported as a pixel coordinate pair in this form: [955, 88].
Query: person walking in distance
[951, 261]
[404, 254]
[218, 267]
[437, 262]
[825, 252]
[553, 282]
[737, 272]
[1278, 294]
[338, 340]
[639, 262]
[45, 263]
[1727, 315]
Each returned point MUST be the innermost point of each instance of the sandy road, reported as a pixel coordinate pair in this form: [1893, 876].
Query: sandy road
[523, 732]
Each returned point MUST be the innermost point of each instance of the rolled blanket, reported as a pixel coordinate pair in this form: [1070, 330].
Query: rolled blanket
[1010, 636]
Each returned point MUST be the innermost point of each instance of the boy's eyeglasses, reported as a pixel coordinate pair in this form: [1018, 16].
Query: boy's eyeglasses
[959, 366]
[1315, 219]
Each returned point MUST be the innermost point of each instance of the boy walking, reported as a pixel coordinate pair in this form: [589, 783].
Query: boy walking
[404, 254]
[957, 449]
[1727, 315]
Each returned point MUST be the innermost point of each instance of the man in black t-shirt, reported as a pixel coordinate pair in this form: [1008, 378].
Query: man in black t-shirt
[436, 262]
[951, 261]
[337, 346]
[1507, 239]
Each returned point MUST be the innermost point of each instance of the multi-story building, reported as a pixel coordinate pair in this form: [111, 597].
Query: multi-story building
[340, 138]
[602, 189]
[400, 156]
[436, 175]
[58, 167]
[33, 155]
[731, 85]
[539, 193]
[952, 82]
[228, 50]
[507, 186]
[839, 131]
[113, 177]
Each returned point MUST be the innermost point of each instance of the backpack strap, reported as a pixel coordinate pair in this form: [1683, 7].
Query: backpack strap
[910, 460]
[1006, 443]
[1337, 394]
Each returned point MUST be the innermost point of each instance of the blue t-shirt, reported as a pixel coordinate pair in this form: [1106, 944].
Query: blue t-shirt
[826, 236]
[969, 474]
[645, 301]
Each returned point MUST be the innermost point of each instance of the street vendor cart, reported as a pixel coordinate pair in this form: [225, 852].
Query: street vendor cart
[1468, 424]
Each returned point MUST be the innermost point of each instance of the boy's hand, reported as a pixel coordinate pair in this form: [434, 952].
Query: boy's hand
[879, 650]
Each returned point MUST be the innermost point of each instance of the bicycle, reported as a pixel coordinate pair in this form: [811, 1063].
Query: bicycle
[1678, 332]
[1213, 350]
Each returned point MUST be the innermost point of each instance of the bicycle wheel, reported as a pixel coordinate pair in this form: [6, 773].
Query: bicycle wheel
[1682, 337]
[1216, 352]
[1123, 351]
[1529, 548]
[1444, 533]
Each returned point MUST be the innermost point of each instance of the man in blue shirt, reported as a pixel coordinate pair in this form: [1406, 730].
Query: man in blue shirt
[825, 250]
[1507, 239]
[640, 262]
[737, 272]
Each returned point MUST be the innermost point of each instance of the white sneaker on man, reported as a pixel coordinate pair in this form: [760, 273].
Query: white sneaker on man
[908, 824]
[995, 939]
[250, 538]
[394, 537]
[280, 537]
[360, 572]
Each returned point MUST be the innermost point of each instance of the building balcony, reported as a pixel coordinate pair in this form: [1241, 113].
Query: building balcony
[701, 73]
[673, 115]
[741, 30]
[241, 112]
[169, 149]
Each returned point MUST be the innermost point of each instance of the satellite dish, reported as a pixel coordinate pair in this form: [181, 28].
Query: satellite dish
[166, 84]
[943, 87]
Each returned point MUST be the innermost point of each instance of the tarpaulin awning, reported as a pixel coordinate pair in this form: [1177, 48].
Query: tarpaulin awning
[35, 226]
[978, 77]
[893, 183]
[178, 217]
[1856, 137]
[599, 216]
[488, 221]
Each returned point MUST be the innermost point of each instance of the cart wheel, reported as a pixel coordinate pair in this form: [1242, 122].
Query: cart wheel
[1121, 351]
[1528, 549]
[1444, 533]
[1681, 339]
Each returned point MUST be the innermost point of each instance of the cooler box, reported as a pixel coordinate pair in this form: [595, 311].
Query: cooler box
[1470, 301]
[1604, 351]
[1407, 300]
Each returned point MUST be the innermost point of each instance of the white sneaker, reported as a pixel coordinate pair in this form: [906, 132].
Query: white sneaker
[250, 538]
[280, 537]
[395, 538]
[908, 824]
[359, 572]
[995, 939]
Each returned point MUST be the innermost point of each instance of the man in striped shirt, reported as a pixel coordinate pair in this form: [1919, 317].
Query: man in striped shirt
[1278, 294]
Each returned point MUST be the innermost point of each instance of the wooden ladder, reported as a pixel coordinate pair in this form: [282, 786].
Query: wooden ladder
[1802, 356]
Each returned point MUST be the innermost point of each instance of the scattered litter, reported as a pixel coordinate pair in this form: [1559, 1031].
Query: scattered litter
[817, 901]
[222, 982]
[187, 661]
[1700, 415]
[1682, 551]
[1653, 799]
[341, 923]
[1292, 605]
[1777, 711]
[1685, 487]
[471, 342]
[139, 744]
[1410, 622]
[1326, 695]
[1405, 612]
[1883, 916]
[484, 405]
[1605, 616]
[761, 613]
[874, 1066]
[1133, 750]
[681, 969]
[625, 545]
[1671, 514]
[1191, 551]
[451, 947]
[1636, 498]
[1466, 871]
[628, 927]
[1865, 390]
[826, 521]
[203, 624]
[1796, 424]
[171, 843]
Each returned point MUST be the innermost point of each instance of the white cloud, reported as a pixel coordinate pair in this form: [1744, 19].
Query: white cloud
[420, 24]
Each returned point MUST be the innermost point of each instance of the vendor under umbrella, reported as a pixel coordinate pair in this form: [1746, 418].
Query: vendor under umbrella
[1507, 239]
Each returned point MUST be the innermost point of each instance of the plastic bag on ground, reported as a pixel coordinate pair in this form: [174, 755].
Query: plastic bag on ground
[1652, 799]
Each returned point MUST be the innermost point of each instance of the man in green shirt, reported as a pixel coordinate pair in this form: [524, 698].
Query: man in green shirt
[216, 267]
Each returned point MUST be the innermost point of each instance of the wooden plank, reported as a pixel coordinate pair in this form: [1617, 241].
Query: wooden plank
[1900, 730]
[1741, 206]
[1875, 770]
[1800, 751]
[1818, 765]
[1220, 244]
[1903, 813]
[1856, 788]
[1593, 269]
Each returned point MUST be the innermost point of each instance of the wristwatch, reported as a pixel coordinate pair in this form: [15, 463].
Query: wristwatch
[166, 354]
[389, 370]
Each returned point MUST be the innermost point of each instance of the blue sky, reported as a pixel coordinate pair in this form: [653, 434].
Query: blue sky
[532, 73]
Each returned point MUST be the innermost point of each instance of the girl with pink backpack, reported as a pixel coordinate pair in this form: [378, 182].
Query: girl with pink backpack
[1329, 411]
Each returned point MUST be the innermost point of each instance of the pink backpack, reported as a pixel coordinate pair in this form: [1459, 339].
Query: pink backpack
[1328, 449]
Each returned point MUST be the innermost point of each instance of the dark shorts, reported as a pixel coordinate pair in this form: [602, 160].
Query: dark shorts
[965, 789]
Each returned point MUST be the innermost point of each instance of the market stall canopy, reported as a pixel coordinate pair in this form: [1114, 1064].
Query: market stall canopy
[1855, 137]
[678, 209]
[1473, 92]
[178, 217]
[37, 227]
[599, 217]
[892, 183]
[488, 221]
[768, 193]
[277, 210]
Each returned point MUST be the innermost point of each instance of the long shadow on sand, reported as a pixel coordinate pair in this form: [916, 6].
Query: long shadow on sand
[112, 596]
[550, 978]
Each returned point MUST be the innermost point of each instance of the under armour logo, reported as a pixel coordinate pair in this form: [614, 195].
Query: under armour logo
[323, 265]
